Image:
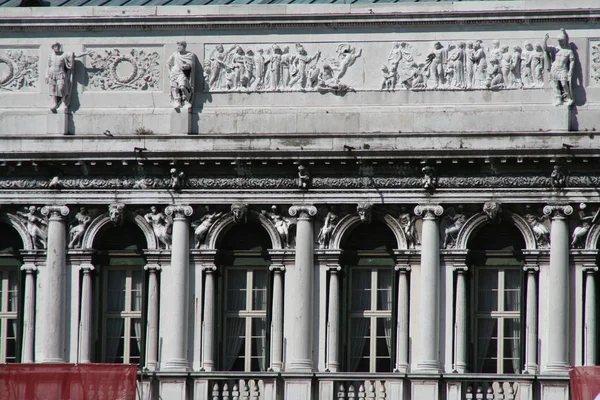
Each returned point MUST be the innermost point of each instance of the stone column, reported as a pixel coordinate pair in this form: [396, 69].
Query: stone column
[402, 326]
[590, 328]
[208, 338]
[299, 291]
[429, 298]
[460, 319]
[52, 308]
[29, 313]
[175, 282]
[333, 318]
[277, 318]
[85, 321]
[152, 324]
[558, 287]
[531, 331]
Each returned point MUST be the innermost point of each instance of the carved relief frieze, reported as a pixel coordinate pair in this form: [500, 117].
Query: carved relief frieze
[19, 69]
[119, 69]
[595, 62]
[279, 67]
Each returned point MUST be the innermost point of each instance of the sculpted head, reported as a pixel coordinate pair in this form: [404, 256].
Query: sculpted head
[364, 212]
[115, 213]
[181, 46]
[239, 212]
[57, 47]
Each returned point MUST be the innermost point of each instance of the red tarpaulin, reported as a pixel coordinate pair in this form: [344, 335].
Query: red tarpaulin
[585, 383]
[67, 382]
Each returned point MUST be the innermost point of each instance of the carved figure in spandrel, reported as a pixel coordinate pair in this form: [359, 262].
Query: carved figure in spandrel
[330, 222]
[36, 227]
[202, 226]
[78, 226]
[582, 229]
[541, 233]
[161, 226]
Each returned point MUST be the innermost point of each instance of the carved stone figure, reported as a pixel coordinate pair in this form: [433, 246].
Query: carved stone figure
[456, 66]
[181, 74]
[364, 211]
[330, 222]
[79, 225]
[562, 62]
[582, 229]
[36, 227]
[437, 60]
[239, 212]
[329, 83]
[451, 225]
[515, 68]
[202, 226]
[429, 180]
[407, 222]
[478, 59]
[303, 177]
[161, 226]
[55, 183]
[541, 233]
[492, 209]
[282, 225]
[559, 176]
[116, 213]
[60, 77]
[537, 65]
[177, 179]
[495, 79]
[299, 66]
[526, 65]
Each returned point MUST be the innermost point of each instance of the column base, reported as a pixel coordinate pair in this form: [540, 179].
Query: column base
[53, 361]
[301, 366]
[531, 369]
[557, 368]
[401, 369]
[175, 365]
[461, 368]
[428, 367]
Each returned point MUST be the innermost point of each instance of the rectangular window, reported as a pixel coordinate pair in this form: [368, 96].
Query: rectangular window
[370, 320]
[245, 323]
[9, 304]
[498, 320]
[122, 315]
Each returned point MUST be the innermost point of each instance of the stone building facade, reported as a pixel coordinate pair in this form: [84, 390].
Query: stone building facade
[385, 201]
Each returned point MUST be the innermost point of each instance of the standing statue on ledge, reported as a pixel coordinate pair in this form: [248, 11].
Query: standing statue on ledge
[181, 73]
[561, 61]
[60, 76]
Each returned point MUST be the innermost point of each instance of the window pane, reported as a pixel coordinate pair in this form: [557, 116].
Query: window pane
[384, 290]
[135, 341]
[487, 290]
[259, 290]
[512, 293]
[487, 342]
[236, 290]
[115, 331]
[11, 341]
[234, 345]
[13, 282]
[384, 337]
[258, 349]
[115, 301]
[361, 290]
[136, 287]
[360, 333]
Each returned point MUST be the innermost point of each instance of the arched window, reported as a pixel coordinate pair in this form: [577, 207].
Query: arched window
[10, 295]
[121, 294]
[496, 263]
[369, 306]
[246, 291]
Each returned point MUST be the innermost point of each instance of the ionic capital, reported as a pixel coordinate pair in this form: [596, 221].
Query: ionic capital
[152, 268]
[558, 211]
[460, 268]
[56, 213]
[531, 268]
[402, 268]
[429, 211]
[86, 268]
[304, 211]
[179, 211]
[334, 268]
[277, 268]
[590, 268]
[209, 268]
[29, 268]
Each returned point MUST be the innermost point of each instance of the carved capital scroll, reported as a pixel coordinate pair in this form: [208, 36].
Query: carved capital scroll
[303, 211]
[558, 211]
[179, 211]
[55, 212]
[429, 211]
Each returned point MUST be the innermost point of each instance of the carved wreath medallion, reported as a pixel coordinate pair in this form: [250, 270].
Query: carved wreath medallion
[20, 70]
[107, 70]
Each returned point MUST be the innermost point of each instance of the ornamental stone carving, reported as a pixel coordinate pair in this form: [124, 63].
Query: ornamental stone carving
[562, 59]
[365, 212]
[78, 227]
[409, 227]
[559, 177]
[202, 226]
[303, 211]
[329, 223]
[116, 213]
[59, 76]
[132, 70]
[20, 70]
[540, 231]
[278, 67]
[239, 212]
[282, 225]
[177, 179]
[429, 180]
[595, 62]
[181, 66]
[429, 211]
[37, 226]
[492, 210]
[161, 226]
[586, 220]
[303, 177]
[450, 226]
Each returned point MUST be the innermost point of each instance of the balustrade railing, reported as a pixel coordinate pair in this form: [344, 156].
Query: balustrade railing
[490, 387]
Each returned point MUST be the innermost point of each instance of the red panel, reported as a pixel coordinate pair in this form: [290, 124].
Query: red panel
[585, 383]
[68, 382]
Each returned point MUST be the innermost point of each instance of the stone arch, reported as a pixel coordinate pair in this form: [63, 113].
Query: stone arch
[20, 227]
[102, 220]
[347, 223]
[592, 238]
[222, 225]
[474, 223]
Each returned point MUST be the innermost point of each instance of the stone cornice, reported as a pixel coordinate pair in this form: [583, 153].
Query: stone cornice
[284, 16]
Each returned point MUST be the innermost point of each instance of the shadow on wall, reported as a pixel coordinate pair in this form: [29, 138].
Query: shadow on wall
[579, 93]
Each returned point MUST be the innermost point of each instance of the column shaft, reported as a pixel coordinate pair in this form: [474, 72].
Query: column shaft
[29, 314]
[333, 320]
[208, 343]
[153, 302]
[531, 337]
[300, 292]
[277, 319]
[175, 282]
[460, 323]
[402, 327]
[52, 284]
[590, 316]
[85, 322]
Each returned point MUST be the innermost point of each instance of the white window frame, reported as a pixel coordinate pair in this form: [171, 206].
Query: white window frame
[6, 316]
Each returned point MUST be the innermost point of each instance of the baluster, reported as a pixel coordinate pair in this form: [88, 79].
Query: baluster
[351, 392]
[469, 394]
[510, 392]
[341, 395]
[489, 394]
[215, 392]
[225, 391]
[500, 393]
[479, 393]
[235, 393]
[361, 392]
[245, 390]
[371, 393]
[382, 393]
[256, 393]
